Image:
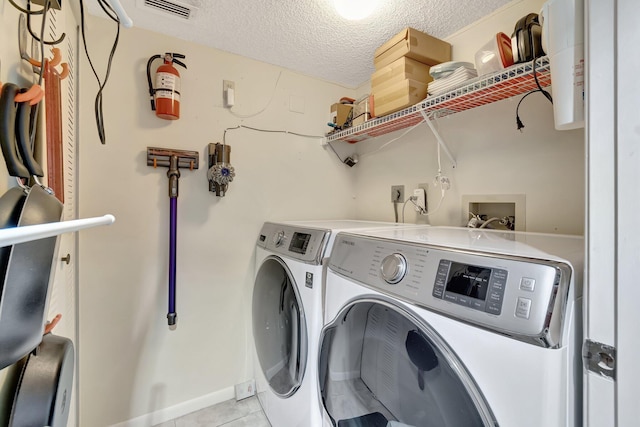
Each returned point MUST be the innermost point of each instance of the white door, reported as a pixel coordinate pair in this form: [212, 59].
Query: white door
[613, 137]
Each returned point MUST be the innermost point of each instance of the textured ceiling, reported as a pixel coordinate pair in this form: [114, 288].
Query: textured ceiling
[307, 36]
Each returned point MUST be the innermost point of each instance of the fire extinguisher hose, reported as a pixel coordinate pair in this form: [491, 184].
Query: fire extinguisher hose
[151, 89]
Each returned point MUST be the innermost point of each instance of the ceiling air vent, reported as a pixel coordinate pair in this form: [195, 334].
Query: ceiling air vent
[170, 7]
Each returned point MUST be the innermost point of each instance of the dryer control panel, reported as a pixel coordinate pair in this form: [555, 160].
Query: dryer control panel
[302, 244]
[511, 295]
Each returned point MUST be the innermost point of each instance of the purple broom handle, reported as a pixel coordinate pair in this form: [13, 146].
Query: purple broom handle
[171, 316]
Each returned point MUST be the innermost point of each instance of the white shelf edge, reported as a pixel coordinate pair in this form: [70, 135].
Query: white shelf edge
[15, 235]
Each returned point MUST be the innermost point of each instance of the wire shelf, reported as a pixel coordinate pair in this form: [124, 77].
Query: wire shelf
[515, 80]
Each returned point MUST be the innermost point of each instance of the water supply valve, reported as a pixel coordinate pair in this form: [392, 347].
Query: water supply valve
[220, 172]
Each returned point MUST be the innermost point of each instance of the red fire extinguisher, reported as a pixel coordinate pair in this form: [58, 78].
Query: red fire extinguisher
[165, 97]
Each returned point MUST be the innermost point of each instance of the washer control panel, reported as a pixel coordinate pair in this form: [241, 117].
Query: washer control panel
[303, 244]
[509, 294]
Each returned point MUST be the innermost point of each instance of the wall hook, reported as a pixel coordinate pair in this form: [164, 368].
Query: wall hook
[52, 42]
[28, 12]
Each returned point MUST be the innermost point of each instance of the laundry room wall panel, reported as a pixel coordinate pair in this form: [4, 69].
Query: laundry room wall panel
[133, 370]
[494, 158]
[545, 165]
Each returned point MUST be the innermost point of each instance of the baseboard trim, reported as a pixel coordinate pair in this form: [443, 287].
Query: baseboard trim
[176, 411]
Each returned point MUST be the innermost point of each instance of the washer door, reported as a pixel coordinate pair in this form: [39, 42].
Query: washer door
[379, 363]
[279, 327]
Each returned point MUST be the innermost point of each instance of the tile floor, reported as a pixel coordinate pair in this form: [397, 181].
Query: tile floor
[232, 413]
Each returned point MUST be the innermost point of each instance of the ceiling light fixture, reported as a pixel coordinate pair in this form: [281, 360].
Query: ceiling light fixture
[355, 9]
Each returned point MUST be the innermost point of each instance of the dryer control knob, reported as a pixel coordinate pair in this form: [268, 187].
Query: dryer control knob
[278, 238]
[393, 268]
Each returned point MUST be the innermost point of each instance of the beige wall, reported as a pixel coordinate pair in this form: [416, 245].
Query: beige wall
[131, 364]
[494, 158]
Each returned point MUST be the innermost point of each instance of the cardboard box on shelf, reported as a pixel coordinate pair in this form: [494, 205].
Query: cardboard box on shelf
[340, 114]
[415, 45]
[401, 69]
[362, 110]
[398, 96]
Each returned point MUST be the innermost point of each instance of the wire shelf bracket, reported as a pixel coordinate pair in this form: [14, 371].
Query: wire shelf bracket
[435, 132]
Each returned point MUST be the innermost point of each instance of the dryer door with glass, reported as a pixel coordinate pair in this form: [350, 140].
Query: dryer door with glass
[279, 327]
[381, 365]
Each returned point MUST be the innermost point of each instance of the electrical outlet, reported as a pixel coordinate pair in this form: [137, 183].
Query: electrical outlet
[397, 193]
[425, 187]
[228, 84]
[228, 93]
[420, 200]
[245, 389]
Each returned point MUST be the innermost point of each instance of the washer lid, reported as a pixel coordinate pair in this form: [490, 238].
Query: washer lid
[311, 241]
[552, 247]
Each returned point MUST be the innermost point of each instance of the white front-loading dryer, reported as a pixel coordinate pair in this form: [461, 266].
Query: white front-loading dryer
[450, 327]
[287, 315]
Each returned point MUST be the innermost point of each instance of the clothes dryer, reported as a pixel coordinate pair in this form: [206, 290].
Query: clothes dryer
[287, 315]
[449, 327]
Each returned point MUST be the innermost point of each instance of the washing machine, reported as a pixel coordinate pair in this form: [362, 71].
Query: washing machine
[452, 327]
[287, 315]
